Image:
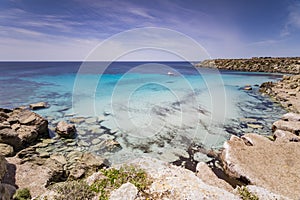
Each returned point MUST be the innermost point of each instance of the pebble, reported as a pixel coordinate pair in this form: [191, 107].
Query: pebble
[96, 141]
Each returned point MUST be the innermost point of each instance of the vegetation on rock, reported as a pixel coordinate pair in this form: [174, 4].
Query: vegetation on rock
[22, 194]
[245, 194]
[74, 190]
[117, 177]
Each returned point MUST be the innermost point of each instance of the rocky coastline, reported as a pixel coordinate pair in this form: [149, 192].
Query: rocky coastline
[253, 166]
[285, 65]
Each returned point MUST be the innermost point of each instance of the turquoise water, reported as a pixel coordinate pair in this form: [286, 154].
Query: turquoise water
[139, 105]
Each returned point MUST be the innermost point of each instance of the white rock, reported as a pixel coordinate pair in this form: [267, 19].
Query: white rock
[127, 191]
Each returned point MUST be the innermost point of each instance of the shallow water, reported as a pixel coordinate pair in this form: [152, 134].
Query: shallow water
[139, 105]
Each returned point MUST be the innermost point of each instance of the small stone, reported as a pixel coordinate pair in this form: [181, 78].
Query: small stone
[65, 130]
[39, 105]
[76, 173]
[248, 120]
[77, 120]
[60, 158]
[44, 154]
[255, 126]
[91, 120]
[96, 141]
[200, 157]
[83, 143]
[248, 87]
[6, 150]
[107, 137]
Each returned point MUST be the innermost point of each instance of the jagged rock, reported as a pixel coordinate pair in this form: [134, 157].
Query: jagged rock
[286, 91]
[39, 105]
[26, 127]
[65, 130]
[172, 182]
[6, 150]
[93, 162]
[261, 162]
[127, 191]
[263, 64]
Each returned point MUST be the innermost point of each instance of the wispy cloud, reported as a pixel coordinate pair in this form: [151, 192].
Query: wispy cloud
[293, 20]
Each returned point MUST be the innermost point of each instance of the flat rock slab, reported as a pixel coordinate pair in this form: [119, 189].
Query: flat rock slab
[172, 182]
[271, 165]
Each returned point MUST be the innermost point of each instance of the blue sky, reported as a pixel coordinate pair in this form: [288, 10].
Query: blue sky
[70, 29]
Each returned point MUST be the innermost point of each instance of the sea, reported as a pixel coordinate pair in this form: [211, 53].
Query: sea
[124, 110]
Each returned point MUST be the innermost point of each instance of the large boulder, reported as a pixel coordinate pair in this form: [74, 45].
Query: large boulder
[262, 162]
[20, 127]
[173, 182]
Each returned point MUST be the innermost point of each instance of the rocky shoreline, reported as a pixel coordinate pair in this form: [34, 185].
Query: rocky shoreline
[255, 166]
[285, 65]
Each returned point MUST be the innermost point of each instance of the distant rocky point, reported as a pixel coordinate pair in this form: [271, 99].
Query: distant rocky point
[287, 65]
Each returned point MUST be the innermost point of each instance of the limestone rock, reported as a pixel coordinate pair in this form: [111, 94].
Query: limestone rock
[35, 176]
[291, 117]
[127, 191]
[39, 105]
[291, 126]
[65, 130]
[172, 182]
[264, 194]
[26, 127]
[285, 136]
[209, 177]
[271, 165]
[6, 150]
[95, 177]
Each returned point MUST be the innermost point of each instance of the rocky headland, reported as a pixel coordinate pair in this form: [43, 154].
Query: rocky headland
[248, 167]
[286, 65]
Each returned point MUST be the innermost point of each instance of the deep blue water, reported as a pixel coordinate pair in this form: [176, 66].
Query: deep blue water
[141, 104]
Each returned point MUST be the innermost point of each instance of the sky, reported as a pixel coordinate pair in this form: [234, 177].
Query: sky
[66, 30]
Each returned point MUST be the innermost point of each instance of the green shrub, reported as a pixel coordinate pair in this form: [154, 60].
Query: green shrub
[73, 190]
[22, 194]
[245, 194]
[117, 177]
